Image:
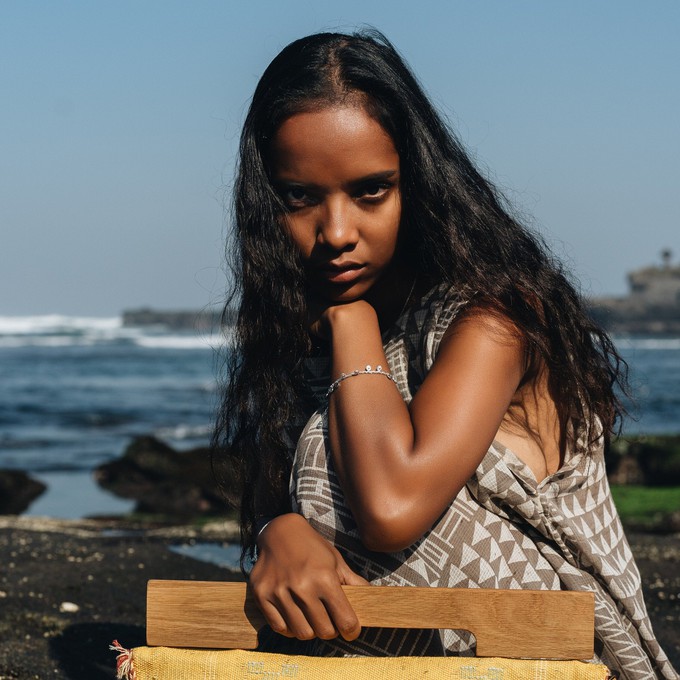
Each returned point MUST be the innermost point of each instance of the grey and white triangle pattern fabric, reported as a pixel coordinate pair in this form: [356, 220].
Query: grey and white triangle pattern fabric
[503, 530]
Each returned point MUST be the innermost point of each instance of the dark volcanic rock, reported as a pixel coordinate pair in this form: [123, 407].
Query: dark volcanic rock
[17, 491]
[625, 469]
[165, 481]
[651, 460]
[661, 464]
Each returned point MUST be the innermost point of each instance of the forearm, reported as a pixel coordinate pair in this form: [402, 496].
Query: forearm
[370, 428]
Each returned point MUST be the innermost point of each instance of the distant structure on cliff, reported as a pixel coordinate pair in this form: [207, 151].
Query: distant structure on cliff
[652, 305]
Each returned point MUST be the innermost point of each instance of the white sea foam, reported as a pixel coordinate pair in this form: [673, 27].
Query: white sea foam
[50, 324]
[56, 330]
[184, 432]
[177, 341]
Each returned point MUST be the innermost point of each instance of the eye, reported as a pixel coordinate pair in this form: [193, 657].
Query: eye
[297, 194]
[296, 197]
[373, 191]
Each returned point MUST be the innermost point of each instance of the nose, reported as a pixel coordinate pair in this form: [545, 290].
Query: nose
[336, 227]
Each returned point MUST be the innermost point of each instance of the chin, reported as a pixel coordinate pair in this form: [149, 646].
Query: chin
[342, 299]
[342, 295]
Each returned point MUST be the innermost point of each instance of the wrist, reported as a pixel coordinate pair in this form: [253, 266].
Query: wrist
[351, 313]
[286, 520]
[355, 339]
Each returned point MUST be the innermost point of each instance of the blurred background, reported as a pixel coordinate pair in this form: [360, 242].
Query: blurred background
[119, 125]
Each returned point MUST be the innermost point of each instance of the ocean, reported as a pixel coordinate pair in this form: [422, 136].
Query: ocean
[74, 391]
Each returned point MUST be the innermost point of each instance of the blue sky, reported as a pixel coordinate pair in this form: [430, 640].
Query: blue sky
[119, 123]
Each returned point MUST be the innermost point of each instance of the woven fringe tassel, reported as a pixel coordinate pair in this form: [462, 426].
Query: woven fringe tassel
[125, 669]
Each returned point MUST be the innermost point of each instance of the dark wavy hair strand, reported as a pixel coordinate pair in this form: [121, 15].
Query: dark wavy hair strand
[459, 227]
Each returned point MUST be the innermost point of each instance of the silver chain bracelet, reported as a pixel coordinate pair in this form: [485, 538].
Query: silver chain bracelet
[368, 370]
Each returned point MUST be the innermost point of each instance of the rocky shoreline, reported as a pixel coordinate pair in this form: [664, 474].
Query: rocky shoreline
[68, 588]
[184, 485]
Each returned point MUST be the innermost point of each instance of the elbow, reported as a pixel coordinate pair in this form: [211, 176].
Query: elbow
[391, 522]
[390, 528]
[382, 544]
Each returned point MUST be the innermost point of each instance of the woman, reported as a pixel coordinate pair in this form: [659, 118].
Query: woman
[418, 396]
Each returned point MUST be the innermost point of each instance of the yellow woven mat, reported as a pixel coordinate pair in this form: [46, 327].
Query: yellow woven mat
[162, 663]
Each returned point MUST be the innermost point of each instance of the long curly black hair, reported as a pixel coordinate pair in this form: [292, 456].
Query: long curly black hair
[459, 228]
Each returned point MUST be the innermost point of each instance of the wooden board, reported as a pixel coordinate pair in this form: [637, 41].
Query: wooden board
[508, 623]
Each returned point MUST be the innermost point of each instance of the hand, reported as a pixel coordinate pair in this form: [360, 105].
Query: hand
[296, 582]
[320, 314]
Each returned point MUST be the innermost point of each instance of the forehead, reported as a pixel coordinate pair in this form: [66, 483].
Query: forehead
[341, 138]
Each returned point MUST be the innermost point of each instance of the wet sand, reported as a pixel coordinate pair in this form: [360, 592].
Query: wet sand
[68, 588]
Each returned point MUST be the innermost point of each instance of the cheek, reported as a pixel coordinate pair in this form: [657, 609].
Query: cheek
[299, 234]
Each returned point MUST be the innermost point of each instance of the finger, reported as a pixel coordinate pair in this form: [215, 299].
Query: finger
[351, 578]
[294, 618]
[274, 619]
[343, 616]
[318, 617]
[348, 577]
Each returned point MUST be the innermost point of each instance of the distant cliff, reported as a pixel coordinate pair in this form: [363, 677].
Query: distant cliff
[652, 305]
[177, 320]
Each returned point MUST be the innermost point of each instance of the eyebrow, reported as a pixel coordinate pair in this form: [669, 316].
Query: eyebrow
[373, 177]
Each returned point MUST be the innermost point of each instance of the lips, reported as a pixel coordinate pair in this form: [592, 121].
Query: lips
[347, 272]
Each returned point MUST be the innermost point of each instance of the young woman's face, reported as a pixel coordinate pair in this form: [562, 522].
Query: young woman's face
[338, 172]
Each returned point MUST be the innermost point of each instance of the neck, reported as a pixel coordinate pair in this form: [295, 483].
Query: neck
[391, 295]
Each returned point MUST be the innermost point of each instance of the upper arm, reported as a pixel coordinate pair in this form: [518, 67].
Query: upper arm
[454, 415]
[461, 403]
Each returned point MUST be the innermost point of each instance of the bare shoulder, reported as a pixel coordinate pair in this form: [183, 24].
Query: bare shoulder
[481, 324]
[476, 373]
[530, 427]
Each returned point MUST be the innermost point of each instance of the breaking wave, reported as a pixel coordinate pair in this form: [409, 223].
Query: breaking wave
[56, 330]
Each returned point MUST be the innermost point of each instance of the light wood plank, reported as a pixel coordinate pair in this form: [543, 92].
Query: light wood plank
[508, 623]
